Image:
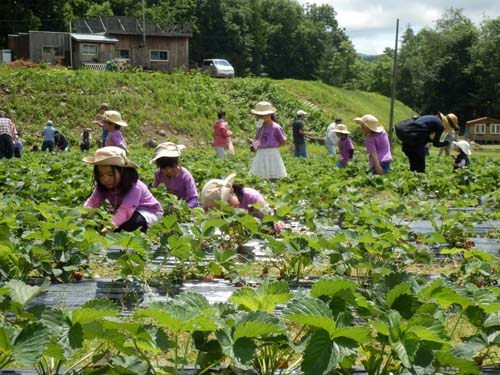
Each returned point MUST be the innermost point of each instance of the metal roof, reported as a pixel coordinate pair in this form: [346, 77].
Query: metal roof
[93, 38]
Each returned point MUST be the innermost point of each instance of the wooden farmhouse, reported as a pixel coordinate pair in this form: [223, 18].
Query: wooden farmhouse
[484, 130]
[97, 41]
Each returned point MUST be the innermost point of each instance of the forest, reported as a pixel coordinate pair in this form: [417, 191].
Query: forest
[451, 67]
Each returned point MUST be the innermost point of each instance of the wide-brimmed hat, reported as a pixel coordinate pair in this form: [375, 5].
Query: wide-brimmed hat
[263, 108]
[167, 150]
[450, 122]
[114, 117]
[341, 128]
[370, 122]
[217, 190]
[110, 155]
[464, 146]
[301, 113]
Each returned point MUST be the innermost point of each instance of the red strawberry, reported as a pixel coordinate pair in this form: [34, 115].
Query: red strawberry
[78, 275]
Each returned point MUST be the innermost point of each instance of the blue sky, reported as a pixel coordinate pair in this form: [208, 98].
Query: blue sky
[371, 24]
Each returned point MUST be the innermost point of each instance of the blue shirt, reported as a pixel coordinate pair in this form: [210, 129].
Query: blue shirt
[48, 133]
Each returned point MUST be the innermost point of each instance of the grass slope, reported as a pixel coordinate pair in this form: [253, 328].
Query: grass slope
[183, 104]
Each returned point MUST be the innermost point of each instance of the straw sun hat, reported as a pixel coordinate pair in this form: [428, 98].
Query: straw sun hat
[114, 117]
[217, 190]
[450, 122]
[110, 155]
[341, 128]
[263, 108]
[167, 150]
[370, 122]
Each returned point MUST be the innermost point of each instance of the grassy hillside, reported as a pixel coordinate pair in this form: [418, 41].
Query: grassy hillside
[182, 104]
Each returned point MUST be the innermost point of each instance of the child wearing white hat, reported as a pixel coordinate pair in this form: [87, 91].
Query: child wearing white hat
[462, 159]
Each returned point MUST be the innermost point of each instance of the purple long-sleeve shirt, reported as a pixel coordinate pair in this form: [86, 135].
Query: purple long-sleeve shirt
[115, 138]
[138, 198]
[378, 143]
[182, 186]
[251, 197]
[346, 149]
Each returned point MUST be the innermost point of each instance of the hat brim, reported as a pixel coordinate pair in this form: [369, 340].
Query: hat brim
[265, 112]
[119, 123]
[343, 131]
[377, 129]
[110, 160]
[447, 127]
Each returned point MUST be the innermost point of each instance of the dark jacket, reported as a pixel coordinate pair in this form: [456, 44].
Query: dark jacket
[418, 131]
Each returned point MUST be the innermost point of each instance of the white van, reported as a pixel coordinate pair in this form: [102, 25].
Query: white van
[218, 68]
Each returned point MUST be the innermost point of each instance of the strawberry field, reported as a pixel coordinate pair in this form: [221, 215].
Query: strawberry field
[375, 275]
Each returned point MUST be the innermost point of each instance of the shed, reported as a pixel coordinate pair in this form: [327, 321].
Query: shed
[484, 130]
[91, 49]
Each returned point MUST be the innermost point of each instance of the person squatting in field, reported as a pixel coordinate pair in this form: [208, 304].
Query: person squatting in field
[177, 179]
[116, 180]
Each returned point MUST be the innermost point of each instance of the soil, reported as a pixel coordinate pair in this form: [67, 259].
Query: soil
[152, 135]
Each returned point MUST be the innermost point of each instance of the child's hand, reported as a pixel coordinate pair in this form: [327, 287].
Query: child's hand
[107, 229]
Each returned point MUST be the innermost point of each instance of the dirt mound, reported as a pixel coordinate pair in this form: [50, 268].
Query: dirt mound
[22, 64]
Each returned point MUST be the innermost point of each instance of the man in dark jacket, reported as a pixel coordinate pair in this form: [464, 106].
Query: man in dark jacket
[299, 135]
[417, 132]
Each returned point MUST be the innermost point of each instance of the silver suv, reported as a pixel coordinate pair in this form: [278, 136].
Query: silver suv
[218, 68]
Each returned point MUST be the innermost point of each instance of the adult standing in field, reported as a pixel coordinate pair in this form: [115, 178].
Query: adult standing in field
[415, 133]
[113, 123]
[269, 136]
[48, 134]
[99, 121]
[331, 139]
[450, 138]
[299, 135]
[376, 143]
[222, 136]
[7, 136]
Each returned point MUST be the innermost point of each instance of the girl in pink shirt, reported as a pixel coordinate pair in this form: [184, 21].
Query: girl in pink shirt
[117, 182]
[113, 122]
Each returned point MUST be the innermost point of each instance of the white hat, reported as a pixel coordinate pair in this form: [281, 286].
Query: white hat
[370, 122]
[110, 155]
[341, 128]
[301, 113]
[167, 150]
[263, 108]
[49, 123]
[217, 190]
[464, 146]
[114, 117]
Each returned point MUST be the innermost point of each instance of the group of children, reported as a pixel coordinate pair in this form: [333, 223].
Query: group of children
[134, 207]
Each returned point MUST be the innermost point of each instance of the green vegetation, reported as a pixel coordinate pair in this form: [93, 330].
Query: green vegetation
[185, 103]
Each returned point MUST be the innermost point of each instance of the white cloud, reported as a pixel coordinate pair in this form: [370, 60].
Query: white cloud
[371, 24]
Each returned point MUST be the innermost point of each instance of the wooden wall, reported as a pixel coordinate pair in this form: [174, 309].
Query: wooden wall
[486, 138]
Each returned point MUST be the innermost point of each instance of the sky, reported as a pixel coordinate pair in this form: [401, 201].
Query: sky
[371, 24]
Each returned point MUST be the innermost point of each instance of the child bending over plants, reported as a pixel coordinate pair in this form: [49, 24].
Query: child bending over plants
[117, 181]
[237, 196]
[177, 179]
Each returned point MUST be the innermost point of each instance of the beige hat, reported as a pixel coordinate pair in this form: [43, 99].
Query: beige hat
[464, 146]
[450, 122]
[301, 113]
[370, 122]
[110, 155]
[167, 150]
[341, 128]
[217, 190]
[263, 108]
[114, 117]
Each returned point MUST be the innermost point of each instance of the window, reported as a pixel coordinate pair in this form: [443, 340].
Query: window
[122, 54]
[495, 128]
[158, 55]
[480, 129]
[53, 51]
[89, 49]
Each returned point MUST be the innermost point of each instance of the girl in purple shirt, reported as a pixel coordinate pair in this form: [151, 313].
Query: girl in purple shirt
[377, 144]
[113, 122]
[344, 143]
[267, 162]
[117, 181]
[247, 198]
[177, 179]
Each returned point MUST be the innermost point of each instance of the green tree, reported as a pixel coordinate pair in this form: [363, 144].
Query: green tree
[485, 69]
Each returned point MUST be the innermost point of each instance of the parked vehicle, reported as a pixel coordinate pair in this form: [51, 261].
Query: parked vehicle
[218, 68]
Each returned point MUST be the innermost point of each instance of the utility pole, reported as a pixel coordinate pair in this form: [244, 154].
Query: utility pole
[393, 88]
[70, 45]
[146, 57]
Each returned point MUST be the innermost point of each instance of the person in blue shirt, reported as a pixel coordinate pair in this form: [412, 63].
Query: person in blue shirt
[417, 132]
[48, 136]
